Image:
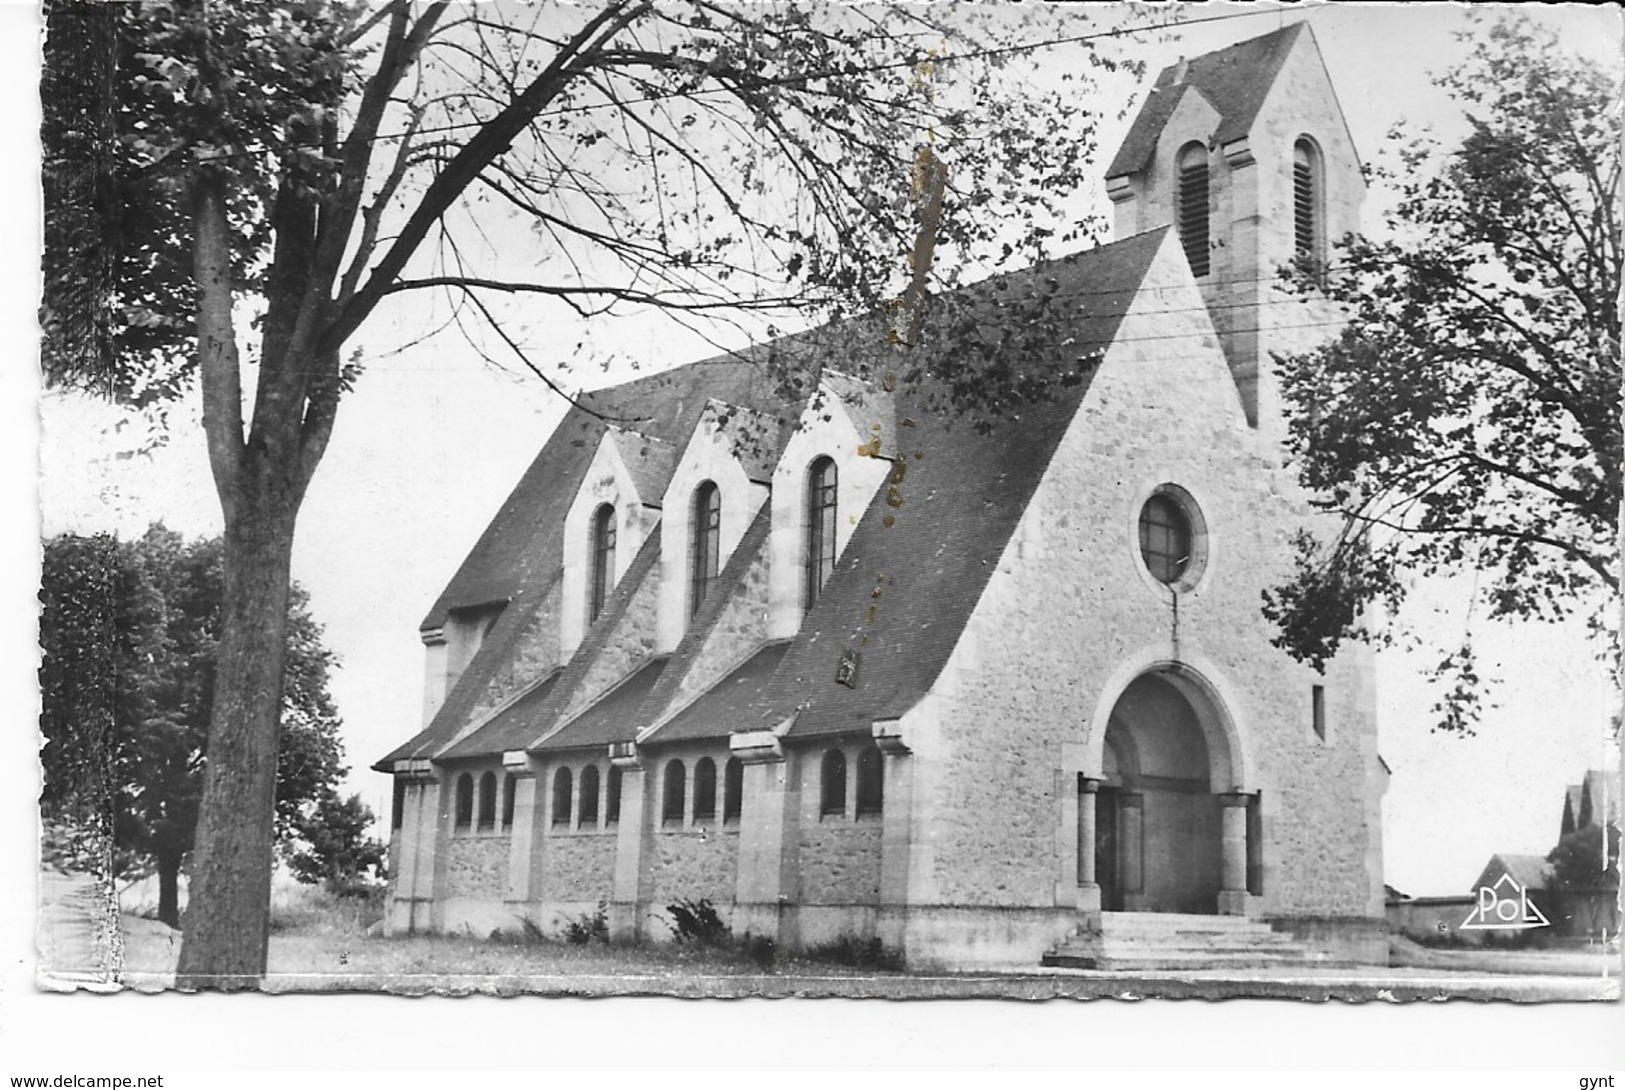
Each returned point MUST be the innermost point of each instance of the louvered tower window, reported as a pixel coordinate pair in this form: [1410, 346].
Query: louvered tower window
[821, 491]
[603, 559]
[1305, 203]
[1193, 207]
[706, 551]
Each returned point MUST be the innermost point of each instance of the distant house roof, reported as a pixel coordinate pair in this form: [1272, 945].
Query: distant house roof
[1529, 871]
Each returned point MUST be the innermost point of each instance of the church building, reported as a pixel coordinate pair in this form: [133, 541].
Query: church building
[845, 665]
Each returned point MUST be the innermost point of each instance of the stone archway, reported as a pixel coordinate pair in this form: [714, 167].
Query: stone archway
[1162, 817]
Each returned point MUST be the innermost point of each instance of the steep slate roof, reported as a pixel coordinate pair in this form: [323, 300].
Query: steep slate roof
[542, 717]
[1235, 80]
[512, 727]
[725, 702]
[608, 719]
[962, 493]
[960, 502]
[648, 460]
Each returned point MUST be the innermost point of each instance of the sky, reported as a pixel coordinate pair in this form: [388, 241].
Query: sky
[433, 439]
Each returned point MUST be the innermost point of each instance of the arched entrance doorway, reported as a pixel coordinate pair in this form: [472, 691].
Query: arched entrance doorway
[1163, 828]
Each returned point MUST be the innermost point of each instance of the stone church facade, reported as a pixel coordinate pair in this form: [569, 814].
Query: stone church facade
[844, 665]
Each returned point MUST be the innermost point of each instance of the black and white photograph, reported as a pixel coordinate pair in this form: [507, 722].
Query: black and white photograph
[700, 499]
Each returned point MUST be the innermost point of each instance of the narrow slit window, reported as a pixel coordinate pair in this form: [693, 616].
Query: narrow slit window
[510, 783]
[587, 809]
[1317, 710]
[672, 792]
[1193, 227]
[705, 790]
[706, 551]
[832, 784]
[465, 801]
[871, 785]
[821, 494]
[612, 797]
[488, 801]
[561, 798]
[397, 806]
[733, 789]
[603, 560]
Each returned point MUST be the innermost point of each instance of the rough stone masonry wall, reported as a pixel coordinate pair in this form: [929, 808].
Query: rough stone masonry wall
[477, 866]
[688, 859]
[739, 630]
[535, 653]
[630, 644]
[1070, 603]
[577, 866]
[839, 854]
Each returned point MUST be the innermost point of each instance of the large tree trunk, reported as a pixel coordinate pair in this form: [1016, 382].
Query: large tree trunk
[228, 909]
[169, 905]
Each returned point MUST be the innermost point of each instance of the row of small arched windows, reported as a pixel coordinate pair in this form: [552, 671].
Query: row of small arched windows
[477, 809]
[483, 816]
[582, 799]
[870, 796]
[674, 788]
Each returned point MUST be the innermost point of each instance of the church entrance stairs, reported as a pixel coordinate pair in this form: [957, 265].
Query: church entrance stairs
[1148, 941]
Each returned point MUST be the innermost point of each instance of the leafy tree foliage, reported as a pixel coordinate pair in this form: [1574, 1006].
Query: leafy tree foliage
[129, 631]
[339, 853]
[1468, 417]
[1579, 864]
[309, 160]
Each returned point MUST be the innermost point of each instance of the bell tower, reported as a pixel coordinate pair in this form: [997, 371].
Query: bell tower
[1246, 153]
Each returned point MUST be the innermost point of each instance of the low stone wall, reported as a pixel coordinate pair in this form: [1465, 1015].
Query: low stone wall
[840, 862]
[578, 868]
[1343, 938]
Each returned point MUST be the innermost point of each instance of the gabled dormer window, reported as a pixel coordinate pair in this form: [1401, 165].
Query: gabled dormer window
[1192, 207]
[705, 550]
[603, 560]
[820, 553]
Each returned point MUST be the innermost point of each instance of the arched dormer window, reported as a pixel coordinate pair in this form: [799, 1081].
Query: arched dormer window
[587, 810]
[561, 797]
[1306, 202]
[705, 550]
[488, 801]
[832, 783]
[820, 554]
[1192, 207]
[465, 801]
[603, 561]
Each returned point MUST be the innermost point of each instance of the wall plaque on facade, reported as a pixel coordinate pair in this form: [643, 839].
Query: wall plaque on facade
[846, 671]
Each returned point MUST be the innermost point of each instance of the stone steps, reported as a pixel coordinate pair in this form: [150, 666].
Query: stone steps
[1140, 941]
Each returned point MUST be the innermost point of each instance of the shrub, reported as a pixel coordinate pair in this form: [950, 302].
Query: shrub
[856, 952]
[583, 929]
[761, 950]
[531, 932]
[697, 922]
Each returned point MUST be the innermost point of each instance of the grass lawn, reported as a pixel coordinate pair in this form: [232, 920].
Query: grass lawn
[320, 944]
